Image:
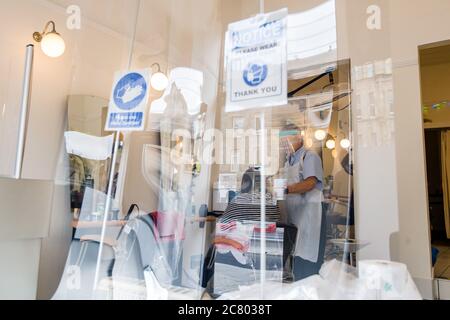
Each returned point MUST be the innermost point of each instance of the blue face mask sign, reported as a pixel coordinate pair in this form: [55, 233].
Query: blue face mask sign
[255, 74]
[130, 91]
[129, 97]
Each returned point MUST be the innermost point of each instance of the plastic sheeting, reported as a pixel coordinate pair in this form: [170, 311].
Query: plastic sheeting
[339, 281]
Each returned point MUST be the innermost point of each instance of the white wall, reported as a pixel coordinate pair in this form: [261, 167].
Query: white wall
[373, 136]
[19, 269]
[25, 208]
[391, 195]
[391, 208]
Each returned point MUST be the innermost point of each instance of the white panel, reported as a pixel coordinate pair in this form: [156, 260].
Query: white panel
[444, 289]
[11, 76]
[55, 247]
[19, 269]
[25, 207]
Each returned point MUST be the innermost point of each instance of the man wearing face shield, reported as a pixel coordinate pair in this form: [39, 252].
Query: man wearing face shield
[304, 174]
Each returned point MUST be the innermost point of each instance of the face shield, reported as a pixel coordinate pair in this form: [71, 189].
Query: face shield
[289, 139]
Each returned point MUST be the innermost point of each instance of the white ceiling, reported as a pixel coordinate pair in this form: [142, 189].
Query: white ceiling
[120, 15]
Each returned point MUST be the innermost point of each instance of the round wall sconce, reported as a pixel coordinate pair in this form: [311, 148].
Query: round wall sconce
[320, 135]
[52, 44]
[159, 80]
[331, 144]
[345, 143]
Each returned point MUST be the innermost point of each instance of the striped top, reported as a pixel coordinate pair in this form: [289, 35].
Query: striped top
[247, 207]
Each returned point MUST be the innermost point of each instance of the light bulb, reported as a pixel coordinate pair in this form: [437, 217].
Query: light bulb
[331, 144]
[53, 45]
[320, 135]
[334, 153]
[345, 143]
[159, 81]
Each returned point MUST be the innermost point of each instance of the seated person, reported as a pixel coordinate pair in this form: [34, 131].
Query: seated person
[246, 206]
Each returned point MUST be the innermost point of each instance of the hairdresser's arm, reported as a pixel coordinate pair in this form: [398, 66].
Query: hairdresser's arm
[304, 186]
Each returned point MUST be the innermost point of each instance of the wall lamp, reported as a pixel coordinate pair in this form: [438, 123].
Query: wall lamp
[345, 143]
[320, 135]
[159, 80]
[52, 44]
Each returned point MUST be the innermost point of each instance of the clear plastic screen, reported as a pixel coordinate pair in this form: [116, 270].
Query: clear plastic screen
[186, 195]
[139, 226]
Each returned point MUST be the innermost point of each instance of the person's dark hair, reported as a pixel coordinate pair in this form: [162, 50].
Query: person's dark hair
[251, 180]
[347, 165]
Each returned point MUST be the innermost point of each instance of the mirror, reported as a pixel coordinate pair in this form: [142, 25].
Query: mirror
[89, 166]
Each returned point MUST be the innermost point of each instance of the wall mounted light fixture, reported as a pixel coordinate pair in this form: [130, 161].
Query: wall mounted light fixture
[345, 143]
[159, 80]
[52, 44]
[331, 144]
[320, 135]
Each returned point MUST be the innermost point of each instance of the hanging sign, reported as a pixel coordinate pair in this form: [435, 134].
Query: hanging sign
[128, 101]
[256, 62]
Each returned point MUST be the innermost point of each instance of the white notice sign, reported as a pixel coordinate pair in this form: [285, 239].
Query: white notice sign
[256, 62]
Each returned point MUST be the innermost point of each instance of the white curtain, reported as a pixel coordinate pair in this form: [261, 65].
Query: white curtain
[445, 161]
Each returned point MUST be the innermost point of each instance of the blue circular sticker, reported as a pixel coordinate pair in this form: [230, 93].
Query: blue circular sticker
[130, 91]
[255, 74]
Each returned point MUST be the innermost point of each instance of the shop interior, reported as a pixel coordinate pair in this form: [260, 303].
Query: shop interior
[319, 102]
[435, 80]
[195, 204]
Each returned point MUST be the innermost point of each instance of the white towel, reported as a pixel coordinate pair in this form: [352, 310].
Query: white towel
[89, 147]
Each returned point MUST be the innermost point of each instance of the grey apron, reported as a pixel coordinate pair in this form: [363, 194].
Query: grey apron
[305, 212]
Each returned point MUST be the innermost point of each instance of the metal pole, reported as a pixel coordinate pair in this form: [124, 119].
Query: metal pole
[24, 106]
[350, 187]
[107, 206]
[263, 192]
[263, 205]
[113, 164]
[261, 6]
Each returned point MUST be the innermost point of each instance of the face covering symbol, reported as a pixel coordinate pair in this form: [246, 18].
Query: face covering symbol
[255, 74]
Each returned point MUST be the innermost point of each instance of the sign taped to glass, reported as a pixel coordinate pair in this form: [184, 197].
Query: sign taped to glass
[256, 62]
[128, 101]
